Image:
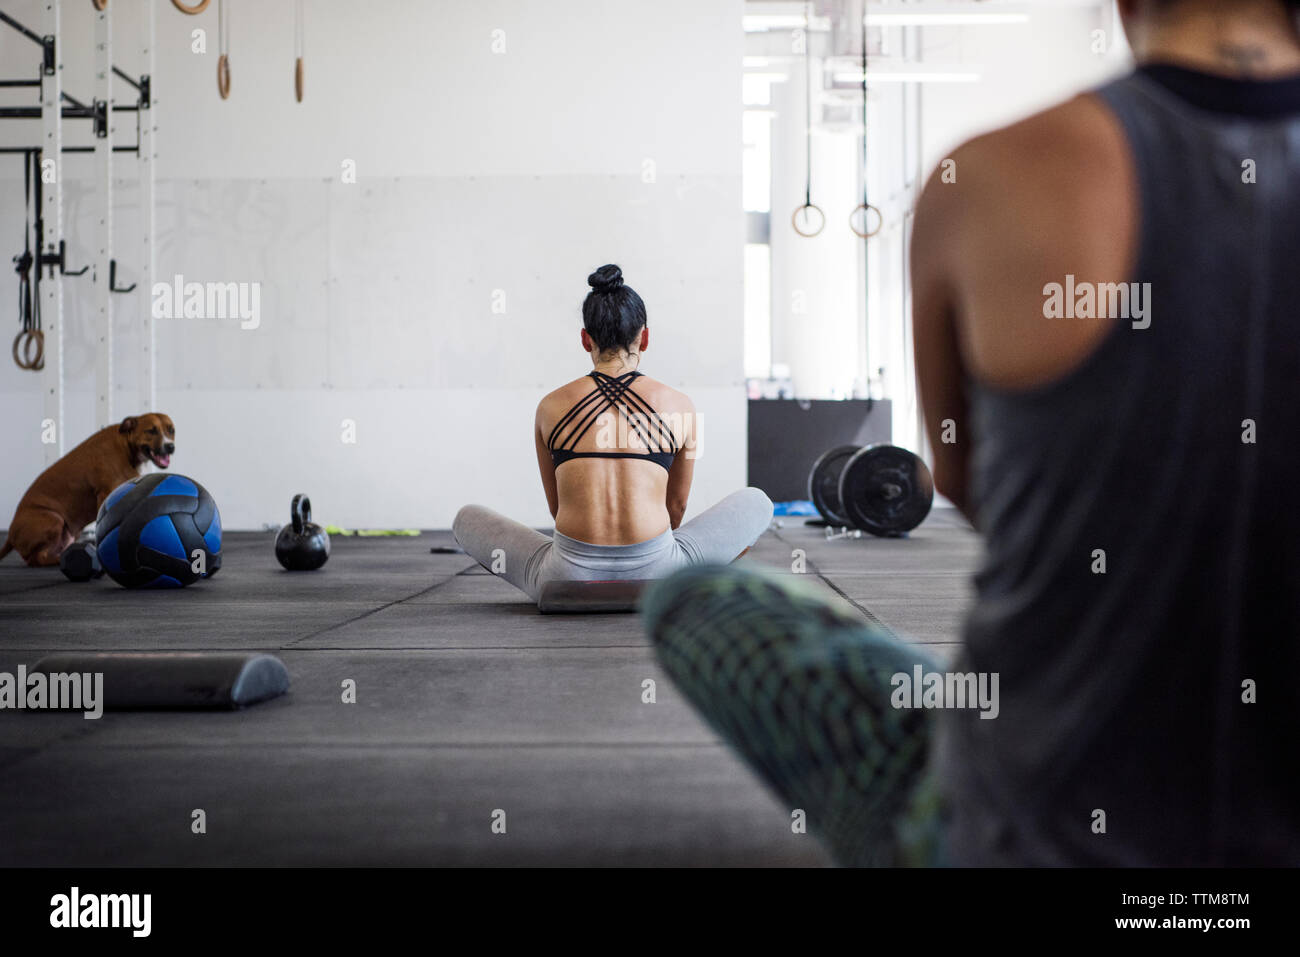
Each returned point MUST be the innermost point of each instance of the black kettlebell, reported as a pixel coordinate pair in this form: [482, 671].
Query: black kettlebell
[80, 562]
[302, 545]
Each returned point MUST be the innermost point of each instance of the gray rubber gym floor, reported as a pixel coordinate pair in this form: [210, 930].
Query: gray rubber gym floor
[468, 702]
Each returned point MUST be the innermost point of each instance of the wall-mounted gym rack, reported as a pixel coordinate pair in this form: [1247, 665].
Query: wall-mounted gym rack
[43, 347]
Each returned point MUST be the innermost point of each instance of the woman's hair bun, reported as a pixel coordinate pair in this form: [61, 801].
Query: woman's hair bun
[606, 278]
[613, 314]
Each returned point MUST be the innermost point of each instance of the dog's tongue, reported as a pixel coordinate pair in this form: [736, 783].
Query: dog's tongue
[164, 461]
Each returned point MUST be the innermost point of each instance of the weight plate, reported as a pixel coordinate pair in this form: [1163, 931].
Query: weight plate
[886, 490]
[824, 483]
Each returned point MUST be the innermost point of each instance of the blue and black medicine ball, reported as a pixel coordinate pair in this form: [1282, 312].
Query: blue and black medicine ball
[155, 531]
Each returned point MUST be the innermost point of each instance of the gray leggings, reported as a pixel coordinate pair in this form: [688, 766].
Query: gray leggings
[528, 559]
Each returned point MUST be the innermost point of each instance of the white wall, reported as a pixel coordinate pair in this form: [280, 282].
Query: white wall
[478, 172]
[1022, 68]
[816, 281]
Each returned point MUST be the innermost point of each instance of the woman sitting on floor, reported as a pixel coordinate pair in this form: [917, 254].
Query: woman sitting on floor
[627, 446]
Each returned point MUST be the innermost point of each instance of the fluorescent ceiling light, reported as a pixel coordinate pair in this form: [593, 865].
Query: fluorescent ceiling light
[756, 23]
[922, 19]
[907, 76]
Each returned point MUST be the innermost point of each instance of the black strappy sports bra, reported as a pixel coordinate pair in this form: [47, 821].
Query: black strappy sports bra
[611, 392]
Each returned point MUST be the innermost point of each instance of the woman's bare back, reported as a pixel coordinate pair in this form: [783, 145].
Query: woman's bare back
[611, 500]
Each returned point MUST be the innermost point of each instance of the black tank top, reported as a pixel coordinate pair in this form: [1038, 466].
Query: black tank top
[1172, 453]
[642, 425]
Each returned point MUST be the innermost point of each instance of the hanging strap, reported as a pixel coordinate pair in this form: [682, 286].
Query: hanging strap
[807, 83]
[804, 228]
[29, 308]
[867, 232]
[23, 261]
[298, 44]
[864, 113]
[29, 344]
[223, 48]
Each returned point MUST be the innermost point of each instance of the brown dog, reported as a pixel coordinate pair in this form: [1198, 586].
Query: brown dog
[67, 495]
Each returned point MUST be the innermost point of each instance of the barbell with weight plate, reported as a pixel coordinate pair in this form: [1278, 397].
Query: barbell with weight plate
[882, 489]
[824, 483]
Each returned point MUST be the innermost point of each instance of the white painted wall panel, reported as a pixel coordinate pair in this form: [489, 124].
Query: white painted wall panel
[477, 171]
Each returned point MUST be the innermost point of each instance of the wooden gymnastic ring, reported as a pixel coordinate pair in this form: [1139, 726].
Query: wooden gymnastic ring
[38, 363]
[794, 220]
[865, 207]
[99, 4]
[191, 8]
[297, 78]
[223, 76]
[27, 338]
